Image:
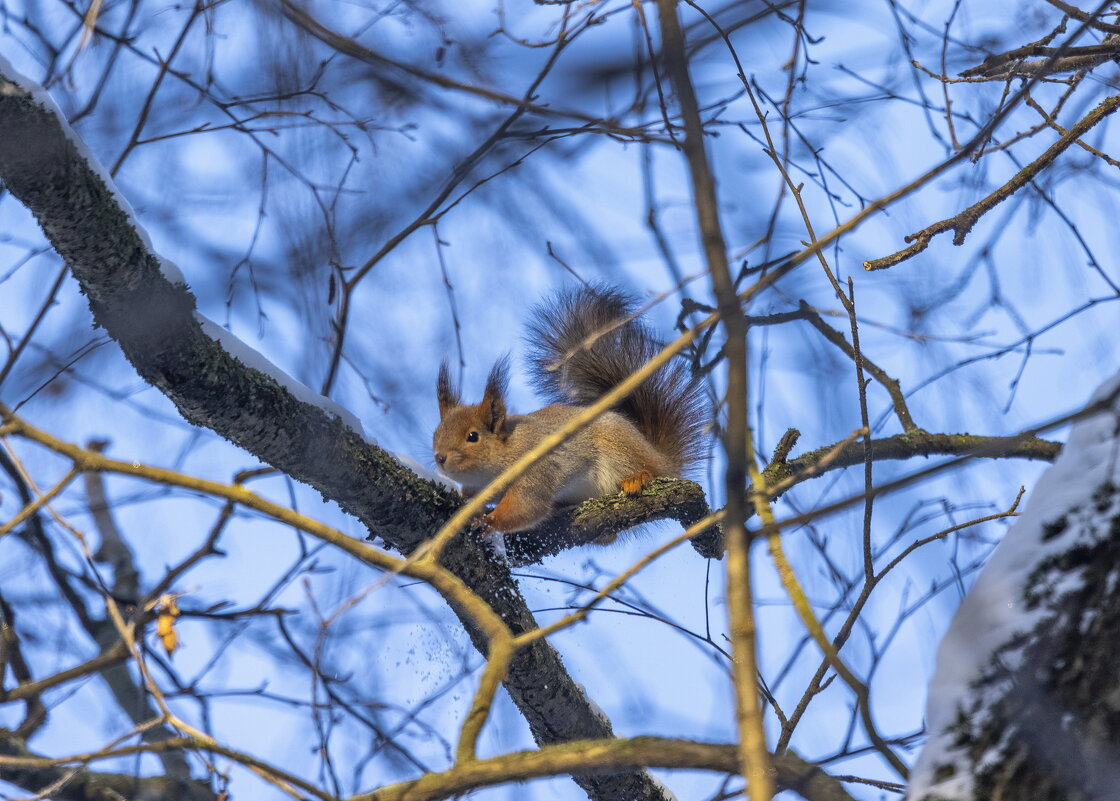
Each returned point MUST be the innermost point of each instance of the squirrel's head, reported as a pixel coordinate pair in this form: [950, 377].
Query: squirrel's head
[469, 443]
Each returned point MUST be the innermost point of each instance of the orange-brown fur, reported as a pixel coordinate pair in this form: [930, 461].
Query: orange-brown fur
[654, 433]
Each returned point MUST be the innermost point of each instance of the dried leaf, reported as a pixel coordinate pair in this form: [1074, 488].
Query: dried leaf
[166, 614]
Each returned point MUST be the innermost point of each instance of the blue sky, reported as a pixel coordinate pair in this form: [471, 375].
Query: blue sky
[861, 110]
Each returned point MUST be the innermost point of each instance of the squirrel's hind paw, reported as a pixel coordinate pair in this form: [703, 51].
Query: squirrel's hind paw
[633, 485]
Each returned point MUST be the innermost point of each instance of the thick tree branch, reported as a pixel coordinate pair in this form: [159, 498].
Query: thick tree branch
[155, 323]
[753, 753]
[1023, 702]
[603, 518]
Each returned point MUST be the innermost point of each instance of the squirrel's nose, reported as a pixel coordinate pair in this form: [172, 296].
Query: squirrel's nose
[441, 458]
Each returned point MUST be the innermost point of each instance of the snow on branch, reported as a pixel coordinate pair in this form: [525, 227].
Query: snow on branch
[147, 309]
[1024, 702]
[216, 380]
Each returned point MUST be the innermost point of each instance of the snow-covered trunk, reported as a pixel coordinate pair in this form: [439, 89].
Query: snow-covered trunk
[1025, 701]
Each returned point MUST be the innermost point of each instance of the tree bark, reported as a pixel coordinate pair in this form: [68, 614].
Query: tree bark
[1025, 703]
[154, 322]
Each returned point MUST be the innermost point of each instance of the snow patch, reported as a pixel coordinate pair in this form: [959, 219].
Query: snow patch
[993, 611]
[167, 268]
[498, 543]
[665, 790]
[250, 357]
[416, 467]
[41, 96]
[596, 710]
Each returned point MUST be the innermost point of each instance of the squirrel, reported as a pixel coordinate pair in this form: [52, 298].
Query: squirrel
[655, 432]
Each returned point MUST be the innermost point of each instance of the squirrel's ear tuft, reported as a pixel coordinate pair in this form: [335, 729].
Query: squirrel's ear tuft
[494, 400]
[446, 394]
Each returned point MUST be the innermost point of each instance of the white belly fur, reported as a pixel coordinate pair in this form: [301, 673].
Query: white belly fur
[602, 479]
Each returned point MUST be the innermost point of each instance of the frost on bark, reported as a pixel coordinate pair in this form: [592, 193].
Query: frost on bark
[1025, 702]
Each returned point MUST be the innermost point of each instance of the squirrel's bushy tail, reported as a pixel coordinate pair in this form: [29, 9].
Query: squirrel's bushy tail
[583, 343]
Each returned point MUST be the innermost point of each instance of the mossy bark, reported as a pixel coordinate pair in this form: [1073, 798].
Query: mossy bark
[602, 519]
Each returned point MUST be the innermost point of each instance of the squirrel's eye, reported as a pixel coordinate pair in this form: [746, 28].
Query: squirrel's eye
[472, 437]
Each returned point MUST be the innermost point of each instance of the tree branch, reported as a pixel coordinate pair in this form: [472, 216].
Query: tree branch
[1083, 16]
[602, 518]
[912, 444]
[85, 785]
[685, 502]
[155, 322]
[961, 224]
[1072, 59]
[791, 772]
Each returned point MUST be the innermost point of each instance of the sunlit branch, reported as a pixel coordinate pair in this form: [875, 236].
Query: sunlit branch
[961, 224]
[450, 586]
[38, 503]
[753, 753]
[592, 756]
